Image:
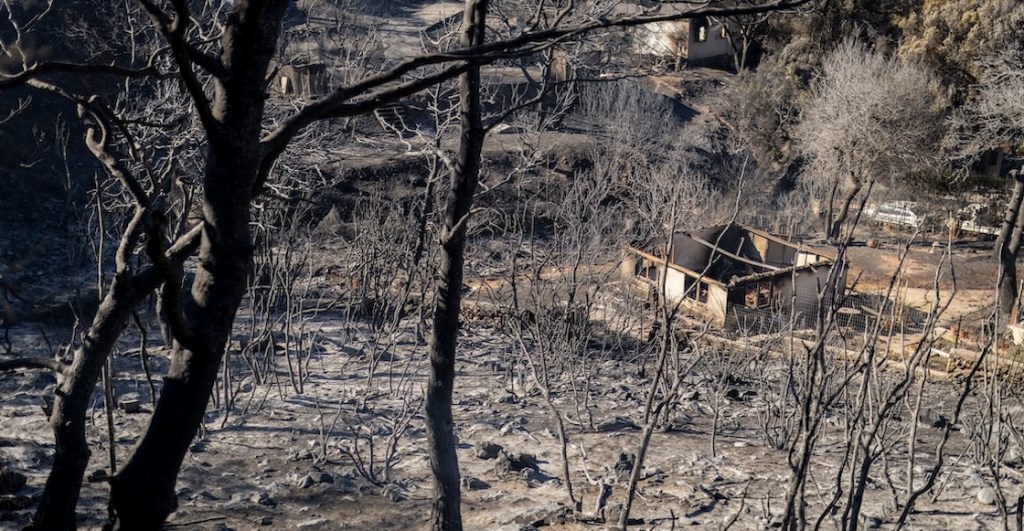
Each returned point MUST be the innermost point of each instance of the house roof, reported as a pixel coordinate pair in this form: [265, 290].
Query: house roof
[725, 268]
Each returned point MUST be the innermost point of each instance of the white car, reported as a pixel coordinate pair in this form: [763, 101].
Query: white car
[894, 213]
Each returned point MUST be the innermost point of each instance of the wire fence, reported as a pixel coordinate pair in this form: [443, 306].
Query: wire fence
[858, 312]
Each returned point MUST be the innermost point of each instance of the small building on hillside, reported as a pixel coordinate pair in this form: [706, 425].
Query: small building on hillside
[698, 40]
[737, 276]
[303, 81]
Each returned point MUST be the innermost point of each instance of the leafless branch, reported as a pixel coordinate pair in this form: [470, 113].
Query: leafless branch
[173, 29]
[54, 365]
[41, 69]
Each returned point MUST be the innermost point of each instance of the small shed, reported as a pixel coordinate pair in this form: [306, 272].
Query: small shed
[302, 81]
[737, 275]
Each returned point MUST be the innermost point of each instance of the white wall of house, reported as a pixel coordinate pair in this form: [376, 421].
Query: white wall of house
[803, 259]
[676, 284]
[661, 38]
[679, 38]
[715, 45]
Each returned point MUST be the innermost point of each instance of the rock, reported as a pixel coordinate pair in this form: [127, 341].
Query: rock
[471, 483]
[264, 499]
[510, 427]
[314, 523]
[203, 495]
[514, 463]
[130, 403]
[617, 424]
[266, 467]
[655, 474]
[531, 476]
[488, 450]
[552, 480]
[623, 466]
[535, 516]
[98, 475]
[987, 496]
[276, 488]
[266, 520]
[493, 496]
[236, 501]
[392, 493]
[932, 418]
[315, 477]
[11, 481]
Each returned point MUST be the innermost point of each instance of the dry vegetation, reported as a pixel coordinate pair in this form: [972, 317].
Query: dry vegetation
[468, 220]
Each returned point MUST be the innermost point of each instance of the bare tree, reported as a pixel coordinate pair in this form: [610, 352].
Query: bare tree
[221, 56]
[869, 118]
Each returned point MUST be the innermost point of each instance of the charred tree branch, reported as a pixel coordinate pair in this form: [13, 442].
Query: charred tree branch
[42, 69]
[54, 365]
[173, 29]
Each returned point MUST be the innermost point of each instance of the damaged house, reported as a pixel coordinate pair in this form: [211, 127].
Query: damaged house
[697, 40]
[736, 275]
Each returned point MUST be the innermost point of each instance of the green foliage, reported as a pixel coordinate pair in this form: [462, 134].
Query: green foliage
[956, 36]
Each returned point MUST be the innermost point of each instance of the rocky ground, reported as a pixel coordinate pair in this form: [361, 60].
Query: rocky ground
[287, 457]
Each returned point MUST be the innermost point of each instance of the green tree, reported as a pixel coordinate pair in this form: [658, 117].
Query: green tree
[954, 37]
[993, 118]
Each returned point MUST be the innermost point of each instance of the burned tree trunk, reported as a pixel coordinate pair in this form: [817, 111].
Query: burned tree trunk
[835, 231]
[71, 450]
[446, 511]
[1007, 248]
[142, 493]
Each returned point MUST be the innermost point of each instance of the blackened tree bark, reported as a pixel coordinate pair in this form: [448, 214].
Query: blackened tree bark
[71, 456]
[446, 511]
[142, 493]
[1008, 247]
[126, 290]
[835, 230]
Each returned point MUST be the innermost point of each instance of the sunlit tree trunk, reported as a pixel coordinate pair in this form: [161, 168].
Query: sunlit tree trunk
[444, 463]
